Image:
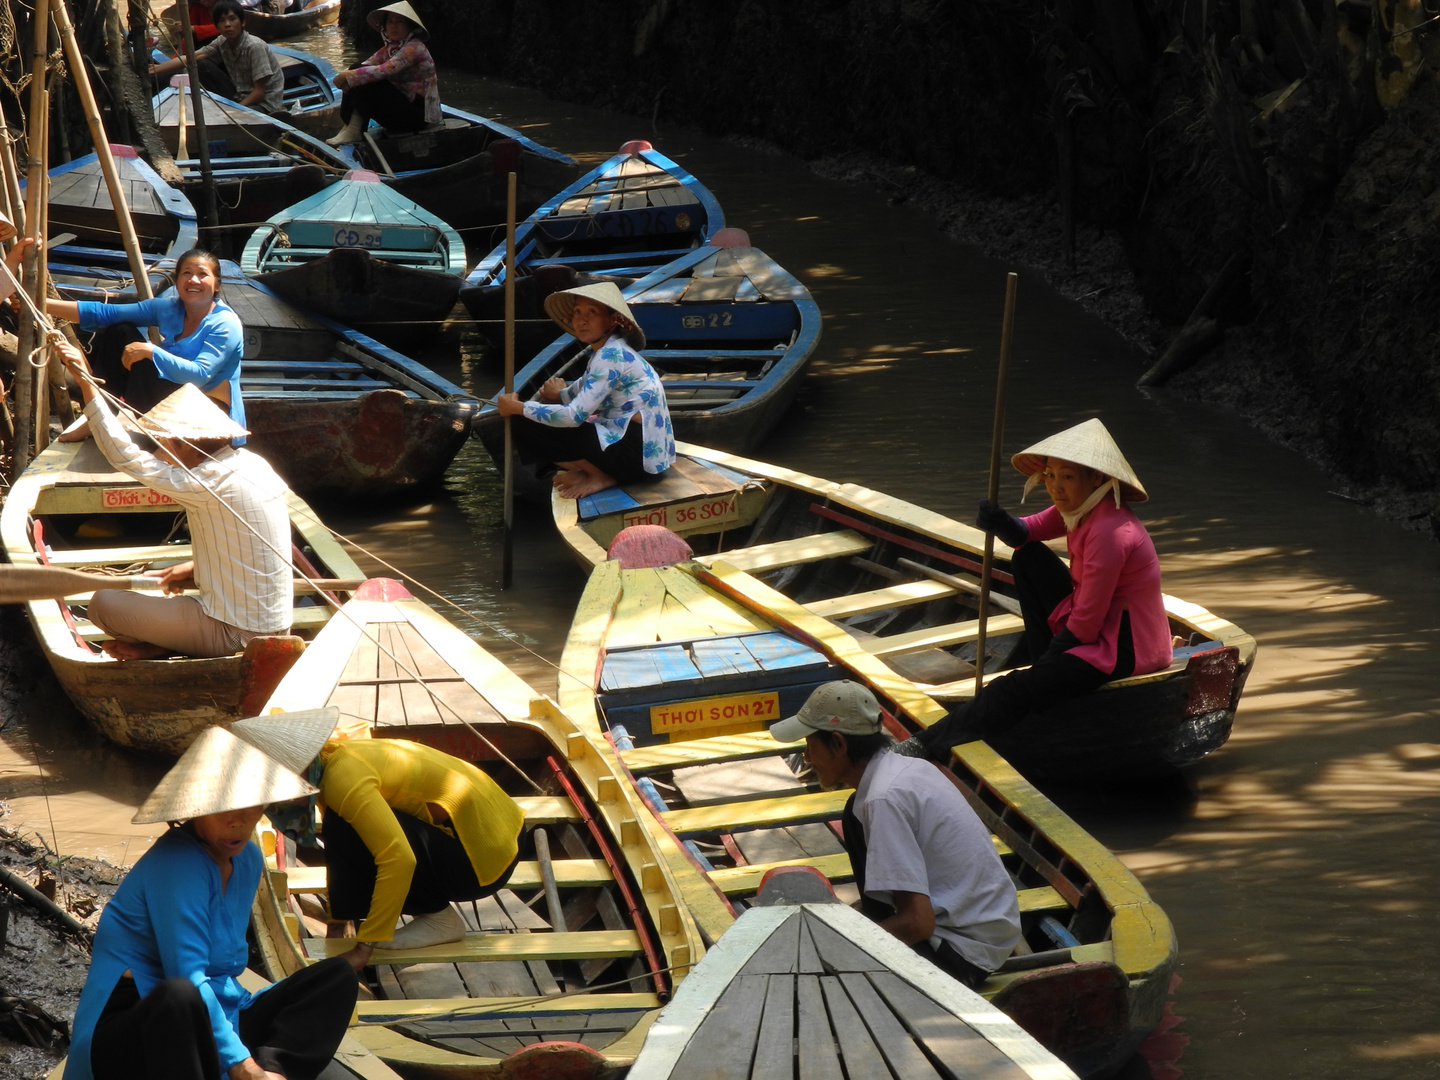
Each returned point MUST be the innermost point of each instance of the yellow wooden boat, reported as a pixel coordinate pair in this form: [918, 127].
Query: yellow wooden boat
[71, 509]
[682, 667]
[903, 580]
[588, 939]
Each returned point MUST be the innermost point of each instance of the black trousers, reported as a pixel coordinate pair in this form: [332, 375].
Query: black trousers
[292, 1029]
[387, 106]
[539, 443]
[1041, 581]
[442, 869]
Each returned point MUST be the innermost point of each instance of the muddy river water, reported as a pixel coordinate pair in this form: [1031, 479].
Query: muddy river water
[1298, 864]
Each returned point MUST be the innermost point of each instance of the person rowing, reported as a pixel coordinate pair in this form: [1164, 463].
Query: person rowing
[1100, 619]
[611, 425]
[239, 524]
[162, 997]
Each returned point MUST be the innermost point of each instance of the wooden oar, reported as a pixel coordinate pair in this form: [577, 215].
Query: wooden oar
[507, 557]
[21, 583]
[996, 435]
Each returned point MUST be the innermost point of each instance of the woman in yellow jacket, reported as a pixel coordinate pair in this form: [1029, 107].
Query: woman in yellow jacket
[410, 829]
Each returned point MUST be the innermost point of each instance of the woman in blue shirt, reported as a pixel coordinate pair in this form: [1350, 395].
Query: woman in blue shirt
[162, 997]
[201, 340]
[610, 426]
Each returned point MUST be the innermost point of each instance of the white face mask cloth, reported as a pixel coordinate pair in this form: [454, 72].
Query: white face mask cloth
[1073, 520]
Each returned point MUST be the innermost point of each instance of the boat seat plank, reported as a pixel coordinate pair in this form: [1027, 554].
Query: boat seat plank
[940, 637]
[964, 1051]
[479, 948]
[284, 394]
[647, 667]
[814, 1042]
[800, 550]
[776, 652]
[857, 1049]
[284, 382]
[737, 781]
[724, 1042]
[910, 592]
[305, 367]
[429, 980]
[644, 759]
[546, 809]
[745, 880]
[159, 553]
[798, 809]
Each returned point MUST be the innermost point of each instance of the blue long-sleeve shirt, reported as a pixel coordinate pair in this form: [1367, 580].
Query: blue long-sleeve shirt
[170, 919]
[208, 357]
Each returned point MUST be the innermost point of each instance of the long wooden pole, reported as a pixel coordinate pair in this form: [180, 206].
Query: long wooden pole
[197, 96]
[507, 551]
[36, 121]
[128, 237]
[997, 434]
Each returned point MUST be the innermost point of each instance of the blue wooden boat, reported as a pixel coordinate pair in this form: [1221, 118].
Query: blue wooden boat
[311, 97]
[338, 414]
[164, 218]
[361, 254]
[458, 169]
[728, 330]
[629, 216]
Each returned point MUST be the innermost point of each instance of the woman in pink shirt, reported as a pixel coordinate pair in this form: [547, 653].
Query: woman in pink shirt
[1102, 618]
[397, 87]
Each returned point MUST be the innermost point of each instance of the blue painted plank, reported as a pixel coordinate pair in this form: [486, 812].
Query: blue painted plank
[729, 474]
[776, 652]
[609, 501]
[646, 667]
[723, 656]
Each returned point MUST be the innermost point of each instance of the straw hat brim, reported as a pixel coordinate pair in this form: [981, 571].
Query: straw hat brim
[219, 772]
[189, 414]
[7, 228]
[291, 738]
[376, 18]
[1088, 444]
[560, 306]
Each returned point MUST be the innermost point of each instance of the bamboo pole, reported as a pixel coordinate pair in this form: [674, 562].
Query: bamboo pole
[507, 550]
[197, 97]
[37, 121]
[128, 238]
[997, 434]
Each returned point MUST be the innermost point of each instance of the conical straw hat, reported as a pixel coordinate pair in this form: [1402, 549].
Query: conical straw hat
[376, 18]
[189, 414]
[1087, 444]
[218, 773]
[559, 306]
[7, 229]
[291, 738]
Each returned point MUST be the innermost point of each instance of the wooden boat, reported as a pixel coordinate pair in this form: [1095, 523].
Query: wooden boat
[299, 17]
[903, 580]
[311, 98]
[70, 508]
[682, 667]
[591, 908]
[458, 169]
[805, 985]
[729, 332]
[165, 221]
[260, 163]
[627, 217]
[336, 413]
[361, 254]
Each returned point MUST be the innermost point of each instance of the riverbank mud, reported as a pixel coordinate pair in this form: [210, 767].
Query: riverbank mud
[1096, 142]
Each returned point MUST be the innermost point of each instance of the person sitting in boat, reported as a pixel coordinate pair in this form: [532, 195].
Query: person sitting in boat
[397, 87]
[239, 525]
[235, 65]
[925, 864]
[1103, 618]
[162, 997]
[611, 425]
[201, 341]
[410, 829]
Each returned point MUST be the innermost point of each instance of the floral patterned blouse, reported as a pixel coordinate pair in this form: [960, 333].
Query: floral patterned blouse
[616, 383]
[408, 66]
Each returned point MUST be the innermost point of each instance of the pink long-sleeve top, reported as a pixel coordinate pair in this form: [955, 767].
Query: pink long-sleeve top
[409, 67]
[1115, 569]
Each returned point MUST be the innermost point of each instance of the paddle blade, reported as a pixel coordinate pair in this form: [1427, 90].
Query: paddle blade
[21, 583]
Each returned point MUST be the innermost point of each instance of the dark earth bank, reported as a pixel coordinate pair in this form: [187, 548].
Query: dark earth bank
[1135, 152]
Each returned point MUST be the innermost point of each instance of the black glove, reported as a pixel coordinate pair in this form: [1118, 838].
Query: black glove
[1062, 642]
[993, 518]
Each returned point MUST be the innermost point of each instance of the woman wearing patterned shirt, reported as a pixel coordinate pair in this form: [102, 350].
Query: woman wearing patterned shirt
[610, 426]
[396, 87]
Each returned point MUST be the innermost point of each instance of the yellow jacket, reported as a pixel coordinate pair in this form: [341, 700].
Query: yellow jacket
[364, 779]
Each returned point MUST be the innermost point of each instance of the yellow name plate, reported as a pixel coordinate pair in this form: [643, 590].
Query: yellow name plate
[729, 711]
[687, 516]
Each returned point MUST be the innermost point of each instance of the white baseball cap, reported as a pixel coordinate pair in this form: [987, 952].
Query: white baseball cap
[843, 706]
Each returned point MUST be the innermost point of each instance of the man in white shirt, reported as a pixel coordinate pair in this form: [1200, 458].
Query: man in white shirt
[239, 524]
[926, 866]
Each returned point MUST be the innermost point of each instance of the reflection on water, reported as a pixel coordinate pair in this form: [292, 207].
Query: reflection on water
[1298, 864]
